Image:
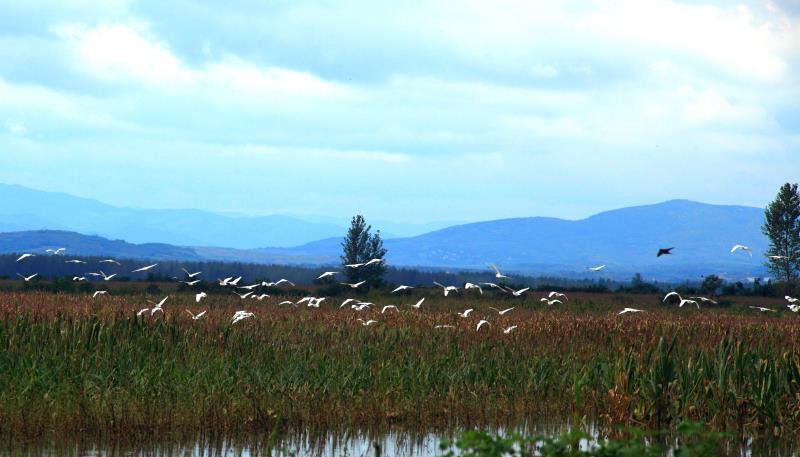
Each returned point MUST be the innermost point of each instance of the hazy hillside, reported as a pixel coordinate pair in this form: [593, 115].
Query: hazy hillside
[89, 245]
[626, 240]
[27, 209]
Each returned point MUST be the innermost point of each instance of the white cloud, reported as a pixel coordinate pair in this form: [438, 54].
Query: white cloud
[544, 71]
[16, 128]
[709, 106]
[130, 53]
[732, 38]
[123, 53]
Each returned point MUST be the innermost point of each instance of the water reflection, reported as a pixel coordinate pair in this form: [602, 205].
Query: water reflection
[362, 443]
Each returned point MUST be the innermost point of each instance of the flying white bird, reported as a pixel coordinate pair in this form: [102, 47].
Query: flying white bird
[278, 283]
[250, 287]
[794, 308]
[597, 269]
[762, 309]
[497, 273]
[743, 248]
[630, 310]
[419, 303]
[142, 311]
[260, 297]
[551, 302]
[327, 274]
[791, 300]
[28, 278]
[387, 307]
[481, 323]
[234, 282]
[225, 281]
[372, 262]
[399, 288]
[191, 283]
[144, 268]
[493, 285]
[469, 285]
[353, 286]
[683, 301]
[107, 277]
[518, 293]
[368, 323]
[79, 278]
[241, 315]
[503, 311]
[704, 300]
[354, 265]
[360, 306]
[465, 313]
[191, 275]
[444, 326]
[244, 295]
[99, 292]
[304, 299]
[447, 289]
[200, 296]
[74, 261]
[25, 256]
[557, 295]
[777, 257]
[286, 302]
[110, 261]
[346, 301]
[55, 251]
[196, 316]
[509, 329]
[158, 305]
[314, 303]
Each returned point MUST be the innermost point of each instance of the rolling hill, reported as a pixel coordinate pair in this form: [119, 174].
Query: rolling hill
[626, 240]
[28, 209]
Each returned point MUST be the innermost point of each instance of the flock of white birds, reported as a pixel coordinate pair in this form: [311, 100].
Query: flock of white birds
[249, 291]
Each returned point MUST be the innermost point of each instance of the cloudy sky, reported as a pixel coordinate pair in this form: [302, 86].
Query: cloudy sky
[436, 110]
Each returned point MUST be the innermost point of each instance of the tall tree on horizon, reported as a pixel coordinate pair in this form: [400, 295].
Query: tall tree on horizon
[782, 226]
[359, 246]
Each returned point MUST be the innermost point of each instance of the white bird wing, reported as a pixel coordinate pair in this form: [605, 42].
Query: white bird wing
[671, 294]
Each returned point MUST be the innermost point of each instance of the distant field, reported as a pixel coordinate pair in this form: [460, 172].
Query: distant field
[70, 364]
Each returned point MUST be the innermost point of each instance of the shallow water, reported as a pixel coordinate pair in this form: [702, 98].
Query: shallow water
[400, 443]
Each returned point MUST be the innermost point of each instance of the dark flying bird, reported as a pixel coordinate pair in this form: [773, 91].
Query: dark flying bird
[664, 251]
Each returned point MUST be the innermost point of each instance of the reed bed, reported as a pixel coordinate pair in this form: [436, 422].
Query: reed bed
[72, 365]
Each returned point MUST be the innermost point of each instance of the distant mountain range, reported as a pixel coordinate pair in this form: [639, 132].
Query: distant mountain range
[626, 240]
[28, 209]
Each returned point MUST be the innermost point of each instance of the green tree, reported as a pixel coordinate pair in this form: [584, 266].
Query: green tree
[782, 226]
[711, 284]
[359, 246]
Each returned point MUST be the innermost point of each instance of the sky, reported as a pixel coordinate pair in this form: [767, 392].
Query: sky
[426, 111]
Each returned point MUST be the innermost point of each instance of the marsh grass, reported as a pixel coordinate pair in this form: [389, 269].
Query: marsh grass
[72, 366]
